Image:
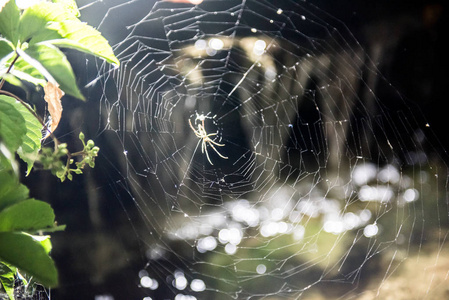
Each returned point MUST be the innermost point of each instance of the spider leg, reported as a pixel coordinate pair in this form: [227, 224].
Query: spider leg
[219, 154]
[191, 126]
[203, 146]
[215, 143]
[207, 154]
[197, 133]
[205, 139]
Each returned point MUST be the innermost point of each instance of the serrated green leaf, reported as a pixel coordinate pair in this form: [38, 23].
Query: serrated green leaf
[11, 190]
[31, 142]
[24, 71]
[7, 279]
[83, 37]
[36, 64]
[44, 240]
[20, 70]
[70, 6]
[29, 215]
[6, 51]
[27, 254]
[12, 124]
[49, 59]
[35, 18]
[7, 162]
[9, 21]
[36, 80]
[14, 80]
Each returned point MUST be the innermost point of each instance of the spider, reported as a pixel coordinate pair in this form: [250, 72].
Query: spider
[205, 138]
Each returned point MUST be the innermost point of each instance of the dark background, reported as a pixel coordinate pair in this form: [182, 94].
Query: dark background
[100, 253]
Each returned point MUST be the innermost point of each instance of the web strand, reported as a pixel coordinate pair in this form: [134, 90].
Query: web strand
[265, 152]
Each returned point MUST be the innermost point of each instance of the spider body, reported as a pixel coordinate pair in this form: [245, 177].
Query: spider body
[206, 140]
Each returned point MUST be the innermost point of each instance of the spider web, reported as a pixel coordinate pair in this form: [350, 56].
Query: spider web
[321, 181]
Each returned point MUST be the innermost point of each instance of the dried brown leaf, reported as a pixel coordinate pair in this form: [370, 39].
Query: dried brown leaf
[53, 95]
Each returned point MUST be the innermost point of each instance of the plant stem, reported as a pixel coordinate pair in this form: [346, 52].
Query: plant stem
[55, 140]
[79, 153]
[9, 69]
[53, 137]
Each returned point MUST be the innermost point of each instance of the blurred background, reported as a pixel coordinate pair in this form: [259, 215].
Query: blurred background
[124, 239]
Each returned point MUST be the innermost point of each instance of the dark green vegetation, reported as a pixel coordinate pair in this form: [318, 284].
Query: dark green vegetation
[30, 38]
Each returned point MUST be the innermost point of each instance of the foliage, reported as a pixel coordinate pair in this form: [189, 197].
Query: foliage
[51, 160]
[30, 42]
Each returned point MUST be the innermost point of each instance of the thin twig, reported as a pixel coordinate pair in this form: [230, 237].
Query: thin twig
[44, 126]
[9, 70]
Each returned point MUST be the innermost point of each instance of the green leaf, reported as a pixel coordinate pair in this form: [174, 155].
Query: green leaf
[13, 80]
[27, 254]
[11, 190]
[70, 6]
[27, 72]
[53, 64]
[83, 37]
[31, 62]
[7, 162]
[7, 279]
[32, 140]
[9, 20]
[6, 57]
[6, 51]
[35, 18]
[45, 242]
[21, 70]
[12, 124]
[29, 215]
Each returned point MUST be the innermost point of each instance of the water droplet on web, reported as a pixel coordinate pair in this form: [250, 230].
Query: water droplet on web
[283, 126]
[370, 230]
[197, 285]
[261, 269]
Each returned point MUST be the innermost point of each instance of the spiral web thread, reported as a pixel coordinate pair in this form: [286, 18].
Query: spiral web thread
[319, 180]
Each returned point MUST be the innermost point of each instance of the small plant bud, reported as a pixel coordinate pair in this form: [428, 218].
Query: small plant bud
[95, 150]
